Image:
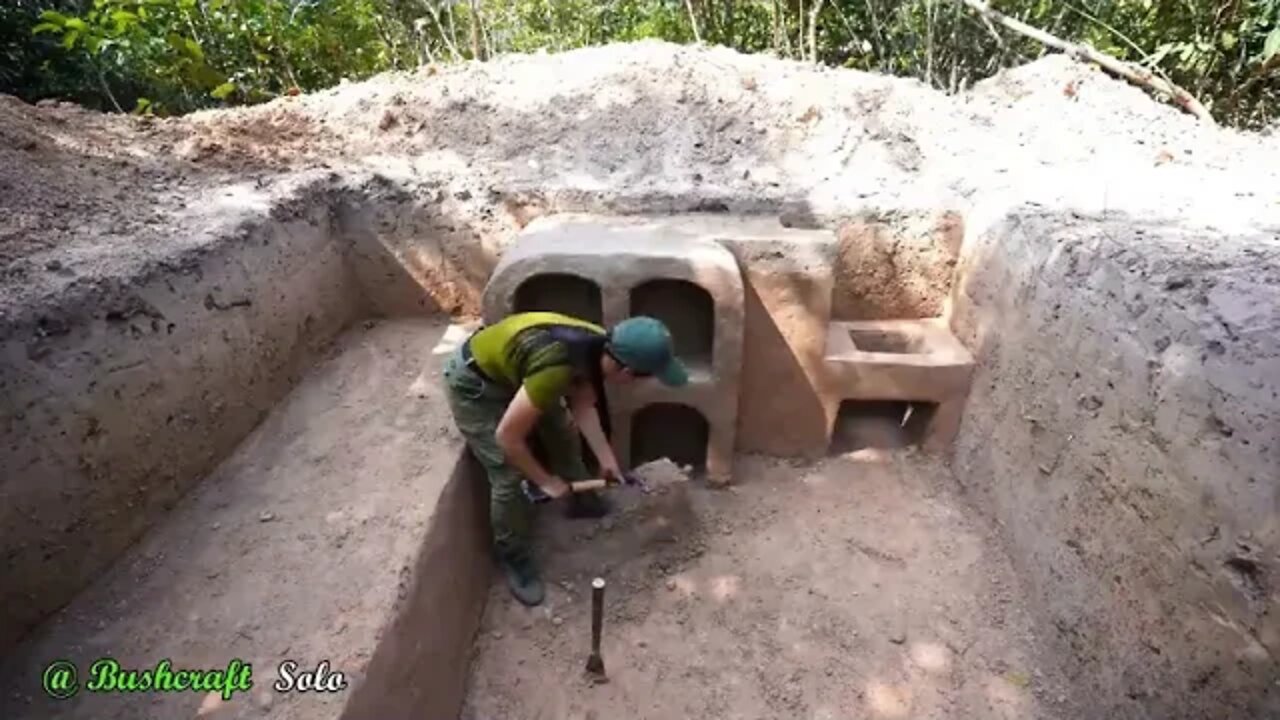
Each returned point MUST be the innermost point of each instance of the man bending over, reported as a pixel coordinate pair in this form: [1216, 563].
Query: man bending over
[526, 376]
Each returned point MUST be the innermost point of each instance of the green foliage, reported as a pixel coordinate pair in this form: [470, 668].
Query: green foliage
[167, 56]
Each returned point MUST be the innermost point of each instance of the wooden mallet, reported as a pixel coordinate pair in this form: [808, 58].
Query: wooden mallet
[595, 663]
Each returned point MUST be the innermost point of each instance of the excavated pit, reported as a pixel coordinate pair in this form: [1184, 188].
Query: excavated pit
[321, 338]
[332, 440]
[234, 444]
[267, 471]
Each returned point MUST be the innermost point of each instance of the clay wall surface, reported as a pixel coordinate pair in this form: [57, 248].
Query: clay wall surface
[896, 265]
[347, 527]
[784, 409]
[419, 668]
[412, 249]
[1122, 433]
[119, 401]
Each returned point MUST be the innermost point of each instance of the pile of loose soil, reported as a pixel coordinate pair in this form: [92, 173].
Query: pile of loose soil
[657, 522]
[646, 124]
[855, 587]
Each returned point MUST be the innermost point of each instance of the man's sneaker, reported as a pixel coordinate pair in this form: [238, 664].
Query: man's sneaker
[586, 505]
[522, 578]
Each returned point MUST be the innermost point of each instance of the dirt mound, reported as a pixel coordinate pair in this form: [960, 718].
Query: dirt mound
[646, 125]
[1058, 110]
[58, 165]
[661, 476]
[656, 525]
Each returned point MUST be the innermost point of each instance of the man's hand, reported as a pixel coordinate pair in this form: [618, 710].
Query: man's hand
[543, 493]
[557, 488]
[610, 471]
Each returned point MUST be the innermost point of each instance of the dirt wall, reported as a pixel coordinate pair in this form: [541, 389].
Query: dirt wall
[122, 394]
[895, 265]
[1122, 432]
[420, 667]
[416, 246]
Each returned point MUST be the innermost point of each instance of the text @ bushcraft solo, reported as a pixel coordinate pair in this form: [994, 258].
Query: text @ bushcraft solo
[62, 678]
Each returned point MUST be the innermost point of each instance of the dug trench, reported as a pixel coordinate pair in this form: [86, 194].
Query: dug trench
[244, 452]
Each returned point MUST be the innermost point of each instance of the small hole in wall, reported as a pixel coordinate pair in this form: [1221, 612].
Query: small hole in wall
[669, 430]
[880, 424]
[561, 293]
[688, 312]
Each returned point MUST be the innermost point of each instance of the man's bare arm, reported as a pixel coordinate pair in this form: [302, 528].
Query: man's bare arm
[512, 435]
[587, 417]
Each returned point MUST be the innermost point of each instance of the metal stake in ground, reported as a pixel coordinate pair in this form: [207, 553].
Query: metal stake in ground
[595, 663]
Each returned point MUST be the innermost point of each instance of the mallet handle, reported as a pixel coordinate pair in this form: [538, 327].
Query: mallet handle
[597, 614]
[585, 485]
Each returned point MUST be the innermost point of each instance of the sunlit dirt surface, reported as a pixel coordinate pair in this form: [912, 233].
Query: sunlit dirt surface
[858, 587]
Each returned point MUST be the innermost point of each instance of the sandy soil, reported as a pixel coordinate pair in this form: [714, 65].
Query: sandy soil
[647, 124]
[298, 546]
[857, 587]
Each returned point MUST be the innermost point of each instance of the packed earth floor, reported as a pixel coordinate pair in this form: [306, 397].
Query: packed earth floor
[857, 586]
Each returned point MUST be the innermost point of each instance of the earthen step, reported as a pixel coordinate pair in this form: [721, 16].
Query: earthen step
[344, 530]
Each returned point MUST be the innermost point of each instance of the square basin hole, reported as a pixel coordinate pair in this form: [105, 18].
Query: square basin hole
[561, 293]
[669, 430]
[882, 424]
[687, 310]
[887, 341]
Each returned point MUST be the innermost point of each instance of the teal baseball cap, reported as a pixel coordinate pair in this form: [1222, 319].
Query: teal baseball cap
[644, 344]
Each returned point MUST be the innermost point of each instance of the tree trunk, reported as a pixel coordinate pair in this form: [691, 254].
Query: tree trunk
[800, 45]
[777, 28]
[444, 36]
[453, 27]
[106, 89]
[813, 30]
[477, 48]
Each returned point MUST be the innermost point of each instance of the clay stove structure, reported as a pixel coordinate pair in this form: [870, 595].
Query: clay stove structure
[749, 303]
[609, 271]
[917, 361]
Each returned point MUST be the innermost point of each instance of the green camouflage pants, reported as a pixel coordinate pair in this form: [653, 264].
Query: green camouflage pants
[477, 407]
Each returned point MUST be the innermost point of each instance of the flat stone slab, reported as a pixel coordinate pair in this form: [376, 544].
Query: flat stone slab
[340, 531]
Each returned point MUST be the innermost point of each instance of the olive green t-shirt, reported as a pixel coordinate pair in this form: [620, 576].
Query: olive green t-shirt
[520, 350]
